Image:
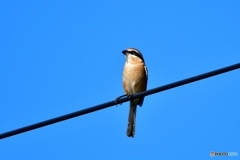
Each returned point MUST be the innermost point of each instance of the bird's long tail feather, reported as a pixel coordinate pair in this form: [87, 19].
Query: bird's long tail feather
[131, 120]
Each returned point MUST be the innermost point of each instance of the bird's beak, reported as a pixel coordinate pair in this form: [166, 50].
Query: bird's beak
[124, 52]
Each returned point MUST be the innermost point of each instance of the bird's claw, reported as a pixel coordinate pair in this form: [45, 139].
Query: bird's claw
[130, 96]
[117, 99]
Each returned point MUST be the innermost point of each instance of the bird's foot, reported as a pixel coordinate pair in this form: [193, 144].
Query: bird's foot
[118, 98]
[130, 96]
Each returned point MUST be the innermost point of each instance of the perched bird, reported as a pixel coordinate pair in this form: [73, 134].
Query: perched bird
[135, 77]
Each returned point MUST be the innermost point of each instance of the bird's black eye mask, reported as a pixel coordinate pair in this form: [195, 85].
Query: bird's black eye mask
[139, 55]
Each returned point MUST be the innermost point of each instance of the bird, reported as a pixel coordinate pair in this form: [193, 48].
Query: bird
[135, 78]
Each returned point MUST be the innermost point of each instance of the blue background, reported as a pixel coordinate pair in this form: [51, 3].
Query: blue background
[57, 57]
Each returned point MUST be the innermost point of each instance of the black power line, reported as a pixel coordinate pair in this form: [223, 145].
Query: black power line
[120, 100]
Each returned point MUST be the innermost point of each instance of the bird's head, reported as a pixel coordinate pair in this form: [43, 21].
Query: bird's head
[133, 53]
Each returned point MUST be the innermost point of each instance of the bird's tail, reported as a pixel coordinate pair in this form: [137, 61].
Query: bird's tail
[132, 120]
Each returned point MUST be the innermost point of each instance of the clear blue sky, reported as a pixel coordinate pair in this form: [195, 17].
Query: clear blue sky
[57, 57]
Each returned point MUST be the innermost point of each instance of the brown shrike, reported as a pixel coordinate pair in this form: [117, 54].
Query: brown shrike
[135, 77]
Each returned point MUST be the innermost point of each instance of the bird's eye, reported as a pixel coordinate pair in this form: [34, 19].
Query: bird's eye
[134, 53]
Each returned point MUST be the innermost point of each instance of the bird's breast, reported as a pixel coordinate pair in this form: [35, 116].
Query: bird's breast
[134, 78]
